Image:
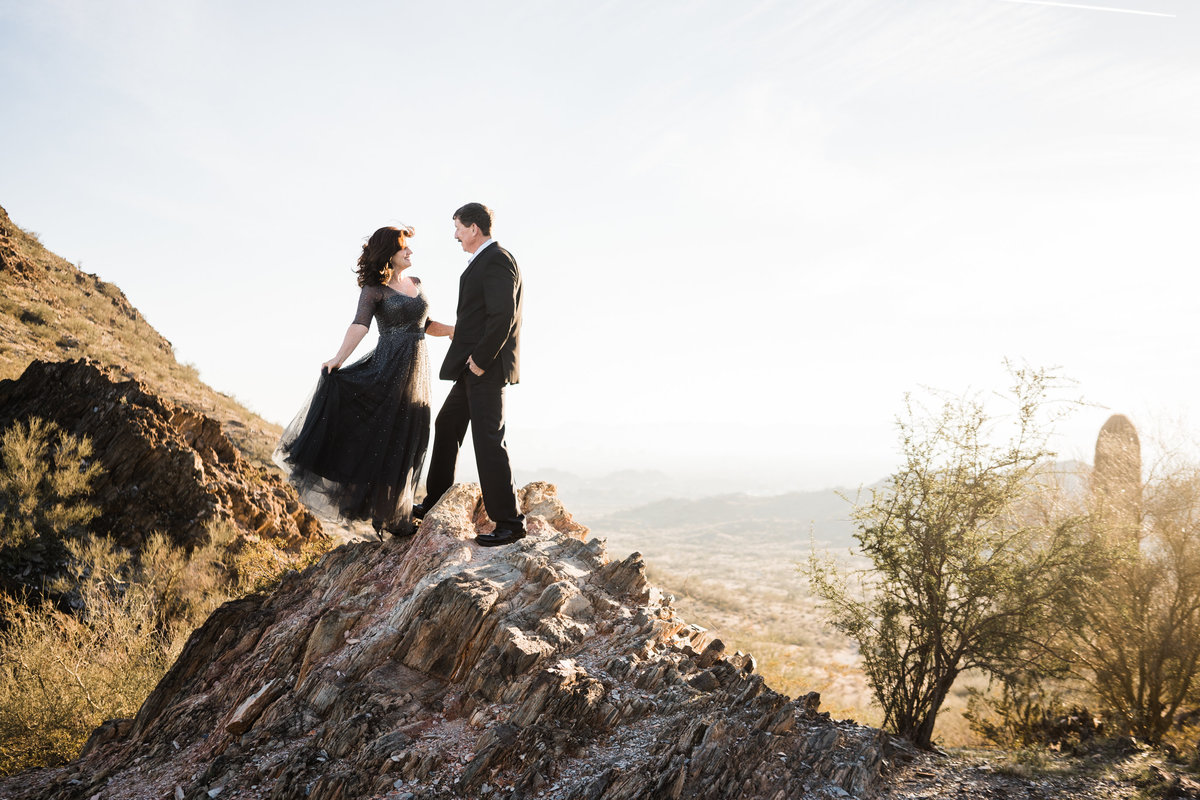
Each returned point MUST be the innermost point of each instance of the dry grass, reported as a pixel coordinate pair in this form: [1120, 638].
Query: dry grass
[50, 310]
[63, 674]
[796, 652]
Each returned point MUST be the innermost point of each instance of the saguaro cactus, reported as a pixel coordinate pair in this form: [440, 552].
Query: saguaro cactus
[1117, 475]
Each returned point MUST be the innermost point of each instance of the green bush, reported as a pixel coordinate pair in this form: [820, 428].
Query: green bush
[45, 478]
[971, 565]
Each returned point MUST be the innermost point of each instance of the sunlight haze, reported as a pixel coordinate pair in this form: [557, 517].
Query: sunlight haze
[745, 229]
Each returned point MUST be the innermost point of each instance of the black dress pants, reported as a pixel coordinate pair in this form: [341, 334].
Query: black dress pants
[477, 401]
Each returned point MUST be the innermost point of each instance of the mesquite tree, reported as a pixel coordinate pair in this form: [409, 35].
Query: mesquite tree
[967, 568]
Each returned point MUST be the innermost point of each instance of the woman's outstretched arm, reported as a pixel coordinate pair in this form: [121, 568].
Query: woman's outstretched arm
[439, 329]
[354, 335]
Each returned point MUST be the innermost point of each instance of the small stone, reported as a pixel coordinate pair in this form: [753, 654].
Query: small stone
[178, 792]
[216, 791]
[175, 744]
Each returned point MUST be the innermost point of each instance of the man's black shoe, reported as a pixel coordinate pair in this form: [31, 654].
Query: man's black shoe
[499, 536]
[419, 511]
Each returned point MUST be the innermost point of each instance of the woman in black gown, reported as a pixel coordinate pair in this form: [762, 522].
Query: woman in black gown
[356, 448]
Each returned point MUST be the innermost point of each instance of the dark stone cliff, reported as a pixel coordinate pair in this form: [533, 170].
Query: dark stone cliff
[167, 468]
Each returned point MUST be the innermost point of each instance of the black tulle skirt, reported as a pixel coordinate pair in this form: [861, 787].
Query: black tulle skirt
[355, 450]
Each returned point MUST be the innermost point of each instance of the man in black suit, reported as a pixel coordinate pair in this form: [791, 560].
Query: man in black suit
[484, 356]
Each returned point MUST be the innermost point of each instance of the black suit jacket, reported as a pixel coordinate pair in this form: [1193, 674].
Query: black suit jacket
[488, 328]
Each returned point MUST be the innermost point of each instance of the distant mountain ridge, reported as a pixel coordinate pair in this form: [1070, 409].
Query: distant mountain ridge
[826, 506]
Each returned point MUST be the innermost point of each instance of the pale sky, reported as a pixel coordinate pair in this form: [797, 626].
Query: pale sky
[746, 229]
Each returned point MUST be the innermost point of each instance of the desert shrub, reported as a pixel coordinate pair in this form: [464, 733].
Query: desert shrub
[1140, 647]
[1030, 713]
[35, 316]
[257, 566]
[967, 570]
[109, 290]
[45, 478]
[62, 674]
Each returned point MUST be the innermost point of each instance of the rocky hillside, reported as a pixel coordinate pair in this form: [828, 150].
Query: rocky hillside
[166, 468]
[429, 667]
[50, 311]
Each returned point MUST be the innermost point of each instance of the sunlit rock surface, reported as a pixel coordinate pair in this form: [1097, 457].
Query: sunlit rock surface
[430, 667]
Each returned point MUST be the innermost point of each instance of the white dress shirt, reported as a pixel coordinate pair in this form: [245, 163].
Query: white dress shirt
[479, 250]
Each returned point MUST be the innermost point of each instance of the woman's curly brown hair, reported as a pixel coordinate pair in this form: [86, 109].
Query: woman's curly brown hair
[374, 268]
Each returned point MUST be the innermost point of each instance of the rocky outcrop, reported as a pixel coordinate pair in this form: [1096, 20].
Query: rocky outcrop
[25, 263]
[430, 667]
[166, 468]
[53, 310]
[12, 260]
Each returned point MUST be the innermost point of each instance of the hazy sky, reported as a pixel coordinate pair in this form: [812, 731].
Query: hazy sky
[746, 229]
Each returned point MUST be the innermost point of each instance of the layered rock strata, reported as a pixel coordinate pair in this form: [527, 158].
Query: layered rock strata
[430, 667]
[166, 468]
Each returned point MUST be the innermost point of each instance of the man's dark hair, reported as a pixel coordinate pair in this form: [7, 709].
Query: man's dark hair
[475, 214]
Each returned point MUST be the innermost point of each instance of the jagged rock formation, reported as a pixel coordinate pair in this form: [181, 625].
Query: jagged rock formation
[50, 310]
[1117, 474]
[166, 468]
[429, 667]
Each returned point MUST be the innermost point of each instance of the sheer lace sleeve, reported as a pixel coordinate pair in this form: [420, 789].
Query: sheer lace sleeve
[368, 298]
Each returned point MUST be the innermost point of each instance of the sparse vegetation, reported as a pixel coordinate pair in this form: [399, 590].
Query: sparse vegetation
[794, 652]
[51, 310]
[963, 574]
[113, 620]
[95, 626]
[45, 478]
[63, 674]
[1139, 650]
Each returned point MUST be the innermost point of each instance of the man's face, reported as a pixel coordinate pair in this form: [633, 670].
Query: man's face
[468, 235]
